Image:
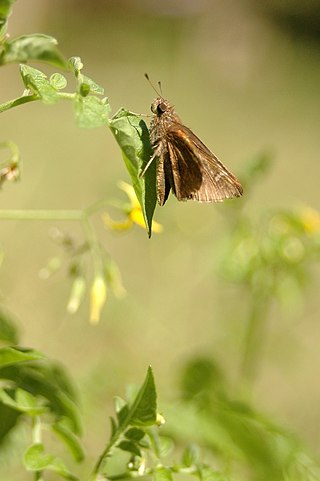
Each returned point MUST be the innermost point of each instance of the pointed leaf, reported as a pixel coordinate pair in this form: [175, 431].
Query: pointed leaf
[129, 447]
[23, 402]
[132, 135]
[33, 47]
[134, 434]
[144, 409]
[11, 355]
[114, 426]
[37, 81]
[162, 473]
[35, 459]
[91, 111]
[70, 440]
[8, 330]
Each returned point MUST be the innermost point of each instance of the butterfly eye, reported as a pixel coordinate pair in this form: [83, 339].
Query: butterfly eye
[161, 108]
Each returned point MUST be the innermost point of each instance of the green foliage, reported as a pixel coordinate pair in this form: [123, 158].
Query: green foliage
[132, 136]
[268, 256]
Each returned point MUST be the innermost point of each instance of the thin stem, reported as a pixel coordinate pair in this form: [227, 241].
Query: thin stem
[37, 439]
[93, 242]
[41, 214]
[19, 101]
[254, 340]
[31, 98]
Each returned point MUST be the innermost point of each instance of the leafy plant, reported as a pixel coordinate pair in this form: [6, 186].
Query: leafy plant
[268, 258]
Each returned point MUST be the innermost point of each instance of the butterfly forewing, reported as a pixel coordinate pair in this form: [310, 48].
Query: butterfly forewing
[203, 177]
[184, 163]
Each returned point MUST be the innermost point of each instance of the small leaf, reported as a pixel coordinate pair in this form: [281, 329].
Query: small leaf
[132, 135]
[58, 81]
[129, 447]
[191, 455]
[75, 64]
[5, 11]
[9, 419]
[122, 415]
[119, 403]
[8, 330]
[93, 86]
[24, 402]
[91, 111]
[144, 409]
[209, 474]
[35, 459]
[162, 473]
[37, 81]
[114, 426]
[70, 440]
[11, 355]
[134, 434]
[33, 47]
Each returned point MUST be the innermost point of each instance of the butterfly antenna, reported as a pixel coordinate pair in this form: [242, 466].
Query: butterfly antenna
[158, 92]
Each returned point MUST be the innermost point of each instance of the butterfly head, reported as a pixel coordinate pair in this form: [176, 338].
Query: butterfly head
[160, 106]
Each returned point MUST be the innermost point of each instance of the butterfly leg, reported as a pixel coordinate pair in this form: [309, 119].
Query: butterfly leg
[155, 154]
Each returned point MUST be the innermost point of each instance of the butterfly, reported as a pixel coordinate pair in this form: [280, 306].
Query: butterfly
[184, 164]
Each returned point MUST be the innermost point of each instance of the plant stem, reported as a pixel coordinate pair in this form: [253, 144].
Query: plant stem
[41, 214]
[254, 340]
[36, 439]
[19, 101]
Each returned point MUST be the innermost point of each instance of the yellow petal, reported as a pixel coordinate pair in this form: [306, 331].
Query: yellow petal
[117, 225]
[310, 219]
[98, 298]
[136, 216]
[129, 190]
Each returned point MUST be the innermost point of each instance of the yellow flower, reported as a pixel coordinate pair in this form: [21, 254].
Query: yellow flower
[133, 212]
[76, 295]
[310, 219]
[98, 298]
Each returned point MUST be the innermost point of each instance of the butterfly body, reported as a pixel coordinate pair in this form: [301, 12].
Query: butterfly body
[184, 164]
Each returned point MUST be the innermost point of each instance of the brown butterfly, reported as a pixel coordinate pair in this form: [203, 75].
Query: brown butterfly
[184, 163]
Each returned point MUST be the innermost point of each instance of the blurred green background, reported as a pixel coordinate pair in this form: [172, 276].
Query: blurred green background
[245, 78]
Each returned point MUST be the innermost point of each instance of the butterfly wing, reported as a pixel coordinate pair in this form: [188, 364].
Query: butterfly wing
[196, 172]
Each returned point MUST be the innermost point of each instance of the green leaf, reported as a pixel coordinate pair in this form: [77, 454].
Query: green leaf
[75, 65]
[5, 11]
[94, 87]
[12, 355]
[134, 434]
[91, 111]
[161, 473]
[5, 8]
[191, 455]
[114, 426]
[132, 135]
[8, 330]
[129, 447]
[9, 418]
[51, 382]
[122, 409]
[35, 459]
[24, 402]
[58, 81]
[144, 409]
[209, 474]
[71, 441]
[37, 81]
[33, 47]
